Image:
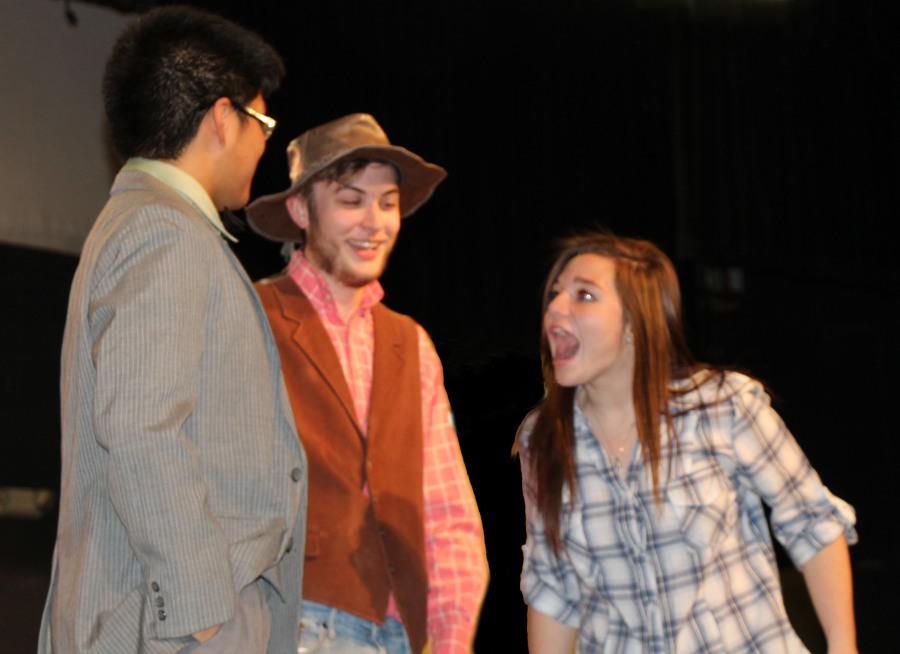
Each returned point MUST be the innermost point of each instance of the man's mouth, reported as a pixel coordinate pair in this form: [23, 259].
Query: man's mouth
[357, 244]
[366, 249]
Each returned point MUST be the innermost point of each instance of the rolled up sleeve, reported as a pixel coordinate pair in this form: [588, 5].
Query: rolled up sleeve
[805, 516]
[549, 584]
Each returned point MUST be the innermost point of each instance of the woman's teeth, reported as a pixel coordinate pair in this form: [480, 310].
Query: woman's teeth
[565, 345]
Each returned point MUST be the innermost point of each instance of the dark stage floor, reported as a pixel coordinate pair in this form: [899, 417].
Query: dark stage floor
[26, 548]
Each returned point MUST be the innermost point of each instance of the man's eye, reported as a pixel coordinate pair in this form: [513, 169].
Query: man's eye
[349, 201]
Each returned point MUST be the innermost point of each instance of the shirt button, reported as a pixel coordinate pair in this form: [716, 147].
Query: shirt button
[162, 614]
[296, 474]
[160, 602]
[290, 546]
[154, 586]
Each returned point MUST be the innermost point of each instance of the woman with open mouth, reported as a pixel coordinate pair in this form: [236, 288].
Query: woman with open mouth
[645, 474]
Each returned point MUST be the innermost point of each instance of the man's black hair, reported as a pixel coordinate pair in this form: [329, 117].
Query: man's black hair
[169, 66]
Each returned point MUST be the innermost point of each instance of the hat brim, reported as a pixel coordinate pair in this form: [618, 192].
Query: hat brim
[268, 215]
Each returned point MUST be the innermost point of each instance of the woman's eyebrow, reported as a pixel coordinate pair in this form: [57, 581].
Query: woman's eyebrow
[586, 280]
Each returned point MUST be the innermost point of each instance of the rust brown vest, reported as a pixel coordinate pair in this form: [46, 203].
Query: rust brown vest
[359, 548]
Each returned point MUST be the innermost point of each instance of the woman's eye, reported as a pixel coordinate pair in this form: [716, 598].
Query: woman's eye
[551, 295]
[584, 295]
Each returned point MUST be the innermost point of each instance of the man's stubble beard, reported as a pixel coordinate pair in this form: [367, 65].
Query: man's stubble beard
[325, 256]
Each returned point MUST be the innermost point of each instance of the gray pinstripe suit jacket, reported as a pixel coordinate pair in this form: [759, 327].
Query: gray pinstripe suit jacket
[182, 476]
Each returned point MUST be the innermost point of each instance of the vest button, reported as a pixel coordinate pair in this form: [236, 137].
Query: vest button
[162, 614]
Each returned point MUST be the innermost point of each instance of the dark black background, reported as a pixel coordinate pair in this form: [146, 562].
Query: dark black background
[756, 142]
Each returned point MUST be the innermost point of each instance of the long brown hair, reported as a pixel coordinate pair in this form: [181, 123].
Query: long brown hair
[648, 288]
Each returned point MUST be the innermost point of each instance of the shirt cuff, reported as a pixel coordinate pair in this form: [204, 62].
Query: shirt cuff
[454, 640]
[837, 520]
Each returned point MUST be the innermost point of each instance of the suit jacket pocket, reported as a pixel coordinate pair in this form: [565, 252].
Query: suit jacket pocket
[254, 545]
[125, 629]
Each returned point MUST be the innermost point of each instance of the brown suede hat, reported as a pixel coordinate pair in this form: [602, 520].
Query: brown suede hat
[356, 136]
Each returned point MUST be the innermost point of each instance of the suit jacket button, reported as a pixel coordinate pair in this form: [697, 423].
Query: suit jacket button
[296, 474]
[162, 614]
[154, 586]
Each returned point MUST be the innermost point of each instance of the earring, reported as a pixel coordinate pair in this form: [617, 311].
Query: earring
[628, 337]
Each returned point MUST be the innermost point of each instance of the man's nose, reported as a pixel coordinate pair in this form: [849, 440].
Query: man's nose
[371, 216]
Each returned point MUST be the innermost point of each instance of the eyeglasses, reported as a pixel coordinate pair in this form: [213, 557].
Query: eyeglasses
[266, 122]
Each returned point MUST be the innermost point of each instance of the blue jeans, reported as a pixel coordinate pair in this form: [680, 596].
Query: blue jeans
[332, 631]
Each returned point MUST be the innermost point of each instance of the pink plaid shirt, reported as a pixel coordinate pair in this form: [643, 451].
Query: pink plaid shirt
[454, 540]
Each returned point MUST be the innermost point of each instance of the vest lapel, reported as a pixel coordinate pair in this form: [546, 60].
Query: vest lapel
[387, 367]
[312, 339]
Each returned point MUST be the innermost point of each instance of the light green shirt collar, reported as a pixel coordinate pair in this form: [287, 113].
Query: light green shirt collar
[186, 186]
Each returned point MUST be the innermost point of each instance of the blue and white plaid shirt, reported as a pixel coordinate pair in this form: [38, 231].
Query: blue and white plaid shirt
[697, 573]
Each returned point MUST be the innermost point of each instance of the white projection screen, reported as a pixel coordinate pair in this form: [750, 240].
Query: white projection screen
[55, 161]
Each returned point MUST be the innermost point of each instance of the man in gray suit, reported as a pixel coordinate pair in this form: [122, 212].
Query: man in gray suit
[183, 491]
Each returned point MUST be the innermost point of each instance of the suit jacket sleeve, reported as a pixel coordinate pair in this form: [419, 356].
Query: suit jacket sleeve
[147, 320]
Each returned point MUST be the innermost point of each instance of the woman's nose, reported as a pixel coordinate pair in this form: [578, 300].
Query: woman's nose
[558, 305]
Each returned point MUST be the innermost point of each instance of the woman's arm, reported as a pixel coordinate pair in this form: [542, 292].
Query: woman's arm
[547, 636]
[804, 513]
[550, 583]
[828, 579]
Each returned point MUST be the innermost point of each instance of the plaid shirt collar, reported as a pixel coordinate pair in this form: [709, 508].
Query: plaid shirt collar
[315, 287]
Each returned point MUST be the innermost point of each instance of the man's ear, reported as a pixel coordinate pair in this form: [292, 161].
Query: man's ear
[219, 114]
[298, 207]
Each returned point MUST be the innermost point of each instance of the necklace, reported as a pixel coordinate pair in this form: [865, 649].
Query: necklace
[617, 456]
[616, 440]
[619, 449]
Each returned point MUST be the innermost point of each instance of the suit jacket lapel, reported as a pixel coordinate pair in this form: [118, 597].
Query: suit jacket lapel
[313, 341]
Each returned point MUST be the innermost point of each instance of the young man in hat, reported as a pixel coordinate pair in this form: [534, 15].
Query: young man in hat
[183, 481]
[395, 550]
